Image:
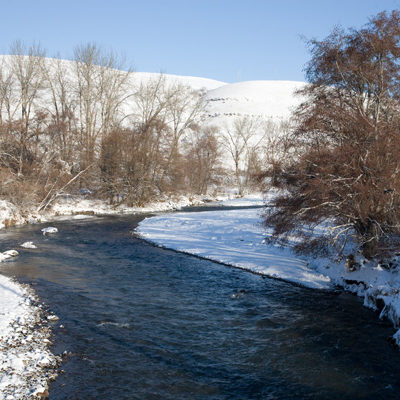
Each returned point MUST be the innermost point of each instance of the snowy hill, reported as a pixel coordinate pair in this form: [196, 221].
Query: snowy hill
[268, 99]
[192, 81]
[246, 114]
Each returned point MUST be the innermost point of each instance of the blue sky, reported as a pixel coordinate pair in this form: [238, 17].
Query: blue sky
[231, 41]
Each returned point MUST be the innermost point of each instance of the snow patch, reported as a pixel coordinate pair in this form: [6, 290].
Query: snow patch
[8, 254]
[234, 237]
[26, 363]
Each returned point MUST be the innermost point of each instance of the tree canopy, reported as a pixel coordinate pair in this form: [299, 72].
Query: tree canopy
[344, 166]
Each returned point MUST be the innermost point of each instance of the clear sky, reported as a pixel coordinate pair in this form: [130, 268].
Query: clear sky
[227, 40]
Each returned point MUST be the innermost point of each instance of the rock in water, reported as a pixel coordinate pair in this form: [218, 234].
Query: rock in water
[49, 229]
[52, 318]
[28, 245]
[8, 254]
[11, 253]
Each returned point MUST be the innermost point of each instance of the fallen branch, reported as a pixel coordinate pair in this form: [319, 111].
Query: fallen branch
[49, 198]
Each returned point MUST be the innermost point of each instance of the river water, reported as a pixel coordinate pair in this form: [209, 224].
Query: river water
[142, 322]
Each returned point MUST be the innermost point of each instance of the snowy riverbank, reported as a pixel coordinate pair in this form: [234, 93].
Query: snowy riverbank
[26, 363]
[233, 237]
[237, 238]
[76, 204]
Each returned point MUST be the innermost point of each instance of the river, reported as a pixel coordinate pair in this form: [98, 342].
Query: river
[142, 322]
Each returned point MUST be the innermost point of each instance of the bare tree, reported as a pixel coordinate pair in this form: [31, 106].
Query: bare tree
[202, 156]
[184, 108]
[235, 139]
[101, 90]
[8, 96]
[148, 119]
[26, 67]
[62, 127]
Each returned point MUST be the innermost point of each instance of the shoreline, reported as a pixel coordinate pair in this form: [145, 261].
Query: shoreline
[217, 239]
[27, 364]
[333, 288]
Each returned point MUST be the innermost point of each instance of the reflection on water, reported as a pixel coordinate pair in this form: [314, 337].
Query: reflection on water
[140, 322]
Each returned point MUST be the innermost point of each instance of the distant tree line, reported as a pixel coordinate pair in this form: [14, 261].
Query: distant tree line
[342, 163]
[88, 124]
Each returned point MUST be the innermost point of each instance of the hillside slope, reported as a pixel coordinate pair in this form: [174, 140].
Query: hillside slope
[268, 99]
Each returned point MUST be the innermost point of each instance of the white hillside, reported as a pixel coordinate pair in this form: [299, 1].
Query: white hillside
[268, 99]
[192, 81]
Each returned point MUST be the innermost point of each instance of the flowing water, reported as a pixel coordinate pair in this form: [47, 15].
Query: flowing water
[142, 322]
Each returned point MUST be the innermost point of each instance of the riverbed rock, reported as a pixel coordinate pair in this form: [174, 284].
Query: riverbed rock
[8, 254]
[49, 229]
[28, 245]
[52, 318]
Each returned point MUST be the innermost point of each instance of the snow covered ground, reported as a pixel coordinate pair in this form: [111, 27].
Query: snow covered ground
[77, 204]
[237, 238]
[234, 237]
[26, 363]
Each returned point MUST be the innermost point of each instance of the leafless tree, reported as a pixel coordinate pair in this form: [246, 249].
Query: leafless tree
[25, 66]
[101, 90]
[62, 126]
[202, 159]
[148, 119]
[235, 139]
[8, 96]
[184, 108]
